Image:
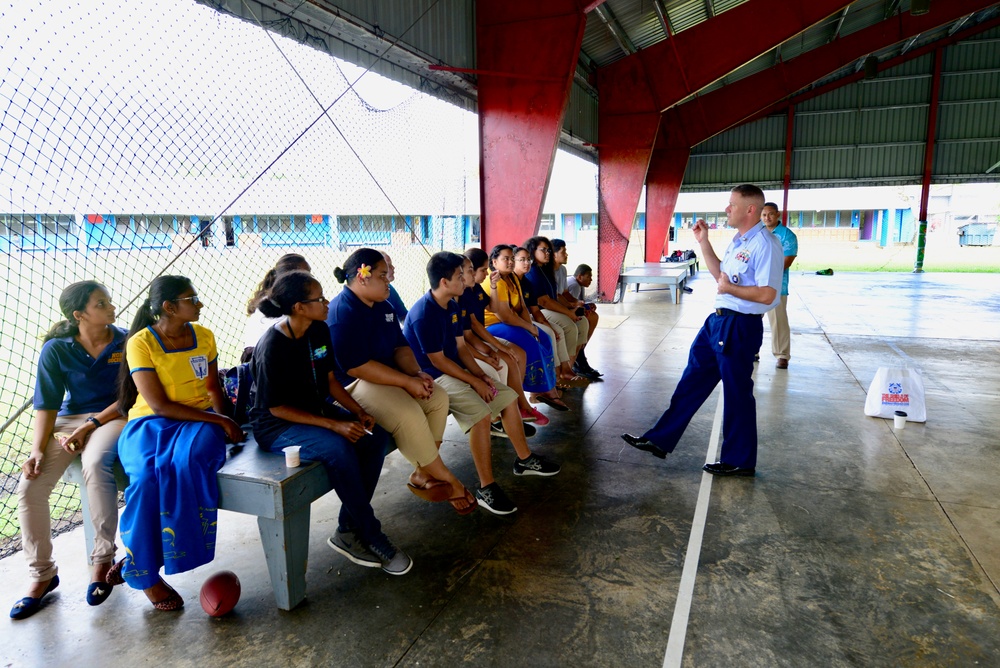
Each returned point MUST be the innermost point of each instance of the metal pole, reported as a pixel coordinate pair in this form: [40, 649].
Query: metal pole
[925, 189]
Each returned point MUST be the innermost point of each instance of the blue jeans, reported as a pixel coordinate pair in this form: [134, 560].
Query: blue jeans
[353, 468]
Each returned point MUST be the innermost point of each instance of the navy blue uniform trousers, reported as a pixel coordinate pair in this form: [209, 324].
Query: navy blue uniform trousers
[723, 350]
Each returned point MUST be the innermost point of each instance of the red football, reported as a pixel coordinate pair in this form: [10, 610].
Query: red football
[220, 593]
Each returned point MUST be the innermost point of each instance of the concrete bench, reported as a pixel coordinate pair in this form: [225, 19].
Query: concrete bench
[255, 482]
[672, 274]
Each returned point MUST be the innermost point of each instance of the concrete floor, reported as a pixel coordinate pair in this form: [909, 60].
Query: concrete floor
[855, 545]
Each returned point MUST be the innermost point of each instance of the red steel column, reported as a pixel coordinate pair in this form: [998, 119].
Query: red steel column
[527, 53]
[789, 144]
[925, 188]
[663, 184]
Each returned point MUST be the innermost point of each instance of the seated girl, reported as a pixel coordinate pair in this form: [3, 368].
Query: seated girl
[507, 318]
[503, 357]
[378, 368]
[76, 414]
[258, 323]
[173, 444]
[293, 367]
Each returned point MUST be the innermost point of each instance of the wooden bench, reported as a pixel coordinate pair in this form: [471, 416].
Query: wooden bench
[672, 274]
[256, 482]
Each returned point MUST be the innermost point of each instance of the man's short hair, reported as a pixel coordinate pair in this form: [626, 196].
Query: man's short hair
[582, 270]
[772, 205]
[443, 265]
[750, 191]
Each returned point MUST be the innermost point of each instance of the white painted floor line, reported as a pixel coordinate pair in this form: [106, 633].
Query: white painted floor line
[682, 607]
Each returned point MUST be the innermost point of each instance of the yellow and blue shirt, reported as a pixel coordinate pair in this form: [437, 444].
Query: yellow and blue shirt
[183, 373]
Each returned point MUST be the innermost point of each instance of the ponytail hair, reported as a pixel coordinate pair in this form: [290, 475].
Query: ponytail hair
[286, 263]
[162, 289]
[362, 256]
[288, 290]
[73, 298]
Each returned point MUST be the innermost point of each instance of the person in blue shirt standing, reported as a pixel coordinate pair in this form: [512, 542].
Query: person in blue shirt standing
[749, 277]
[777, 318]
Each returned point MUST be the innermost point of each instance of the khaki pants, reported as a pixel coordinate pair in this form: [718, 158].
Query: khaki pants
[574, 333]
[559, 351]
[98, 458]
[488, 369]
[781, 335]
[468, 407]
[417, 425]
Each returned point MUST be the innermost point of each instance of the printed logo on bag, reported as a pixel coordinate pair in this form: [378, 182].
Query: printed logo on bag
[895, 396]
[199, 364]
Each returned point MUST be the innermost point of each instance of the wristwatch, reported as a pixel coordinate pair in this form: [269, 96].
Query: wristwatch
[95, 421]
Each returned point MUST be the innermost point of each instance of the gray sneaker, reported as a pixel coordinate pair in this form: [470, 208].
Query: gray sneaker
[392, 560]
[535, 465]
[348, 545]
[493, 499]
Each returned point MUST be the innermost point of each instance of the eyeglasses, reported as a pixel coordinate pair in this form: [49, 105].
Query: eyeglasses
[194, 299]
[321, 298]
[547, 251]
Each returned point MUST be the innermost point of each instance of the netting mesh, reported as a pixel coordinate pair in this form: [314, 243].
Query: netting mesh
[142, 138]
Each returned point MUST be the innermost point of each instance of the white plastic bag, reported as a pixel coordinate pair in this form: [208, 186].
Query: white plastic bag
[896, 389]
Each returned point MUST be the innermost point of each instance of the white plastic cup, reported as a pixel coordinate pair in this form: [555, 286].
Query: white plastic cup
[899, 420]
[292, 456]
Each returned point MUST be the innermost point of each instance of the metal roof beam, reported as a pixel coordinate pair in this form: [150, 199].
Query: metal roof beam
[709, 9]
[891, 8]
[840, 23]
[958, 25]
[615, 28]
[661, 13]
[721, 109]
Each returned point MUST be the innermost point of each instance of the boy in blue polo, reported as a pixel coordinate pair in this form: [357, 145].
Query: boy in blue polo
[433, 328]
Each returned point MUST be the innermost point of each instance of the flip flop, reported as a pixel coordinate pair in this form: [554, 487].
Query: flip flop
[433, 490]
[554, 403]
[28, 606]
[469, 498]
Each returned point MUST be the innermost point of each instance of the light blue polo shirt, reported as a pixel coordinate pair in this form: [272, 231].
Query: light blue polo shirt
[789, 246]
[752, 259]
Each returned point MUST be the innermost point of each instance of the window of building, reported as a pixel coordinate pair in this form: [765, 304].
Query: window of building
[547, 223]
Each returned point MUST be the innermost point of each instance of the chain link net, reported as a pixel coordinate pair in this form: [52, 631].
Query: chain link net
[142, 138]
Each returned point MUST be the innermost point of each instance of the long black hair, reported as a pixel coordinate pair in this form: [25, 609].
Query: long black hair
[73, 298]
[349, 271]
[288, 290]
[286, 263]
[162, 289]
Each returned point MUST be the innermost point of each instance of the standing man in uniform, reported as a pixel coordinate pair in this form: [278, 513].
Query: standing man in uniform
[781, 335]
[749, 277]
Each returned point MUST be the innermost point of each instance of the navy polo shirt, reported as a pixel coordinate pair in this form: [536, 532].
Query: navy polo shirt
[71, 381]
[431, 329]
[541, 285]
[396, 302]
[529, 294]
[361, 333]
[473, 302]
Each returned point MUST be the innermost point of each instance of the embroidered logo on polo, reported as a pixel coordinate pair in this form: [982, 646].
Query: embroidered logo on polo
[199, 364]
[390, 317]
[115, 358]
[454, 318]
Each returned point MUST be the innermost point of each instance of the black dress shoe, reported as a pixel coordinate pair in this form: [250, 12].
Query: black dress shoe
[718, 468]
[644, 444]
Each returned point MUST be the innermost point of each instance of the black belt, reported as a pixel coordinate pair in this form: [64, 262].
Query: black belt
[729, 311]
